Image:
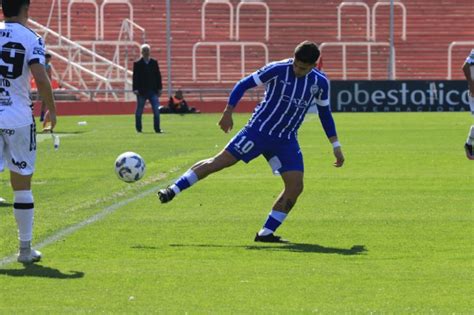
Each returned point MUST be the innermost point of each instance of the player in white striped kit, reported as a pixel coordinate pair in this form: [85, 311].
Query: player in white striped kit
[21, 52]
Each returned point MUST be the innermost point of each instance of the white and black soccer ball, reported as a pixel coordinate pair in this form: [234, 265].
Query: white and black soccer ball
[129, 167]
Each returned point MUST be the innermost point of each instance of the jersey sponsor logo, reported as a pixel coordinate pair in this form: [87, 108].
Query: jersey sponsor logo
[5, 82]
[285, 82]
[20, 164]
[297, 102]
[5, 99]
[38, 51]
[8, 132]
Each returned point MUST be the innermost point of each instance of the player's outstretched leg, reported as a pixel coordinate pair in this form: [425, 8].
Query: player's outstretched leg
[293, 188]
[468, 144]
[198, 171]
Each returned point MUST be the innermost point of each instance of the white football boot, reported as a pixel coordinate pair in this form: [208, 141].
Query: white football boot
[28, 256]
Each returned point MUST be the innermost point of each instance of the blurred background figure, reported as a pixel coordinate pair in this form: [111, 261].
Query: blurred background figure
[178, 105]
[147, 86]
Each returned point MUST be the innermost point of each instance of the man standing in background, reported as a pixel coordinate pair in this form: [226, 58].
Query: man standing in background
[147, 86]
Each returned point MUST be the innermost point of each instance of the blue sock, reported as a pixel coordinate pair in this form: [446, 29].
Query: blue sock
[185, 181]
[274, 220]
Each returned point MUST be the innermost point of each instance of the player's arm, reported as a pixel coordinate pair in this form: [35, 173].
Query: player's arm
[329, 127]
[226, 122]
[44, 88]
[469, 76]
[325, 115]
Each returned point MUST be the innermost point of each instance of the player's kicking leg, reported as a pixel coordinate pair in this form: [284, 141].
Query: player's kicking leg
[198, 171]
[24, 212]
[293, 181]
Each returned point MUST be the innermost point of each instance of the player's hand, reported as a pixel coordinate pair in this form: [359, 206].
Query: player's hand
[339, 157]
[52, 117]
[226, 122]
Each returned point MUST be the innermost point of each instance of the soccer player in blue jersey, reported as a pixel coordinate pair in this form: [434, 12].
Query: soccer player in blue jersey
[291, 87]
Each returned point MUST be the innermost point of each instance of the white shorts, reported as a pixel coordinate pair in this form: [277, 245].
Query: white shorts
[18, 149]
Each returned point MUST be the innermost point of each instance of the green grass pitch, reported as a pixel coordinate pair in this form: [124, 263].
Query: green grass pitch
[390, 232]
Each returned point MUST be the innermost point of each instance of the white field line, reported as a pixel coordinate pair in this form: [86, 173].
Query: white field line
[69, 230]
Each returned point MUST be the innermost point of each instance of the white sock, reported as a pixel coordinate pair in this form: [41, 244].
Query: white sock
[470, 137]
[275, 219]
[175, 189]
[185, 181]
[24, 212]
[264, 232]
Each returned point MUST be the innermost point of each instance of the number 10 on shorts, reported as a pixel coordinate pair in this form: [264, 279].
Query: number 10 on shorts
[243, 146]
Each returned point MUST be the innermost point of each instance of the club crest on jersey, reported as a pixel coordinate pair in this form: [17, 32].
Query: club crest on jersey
[314, 89]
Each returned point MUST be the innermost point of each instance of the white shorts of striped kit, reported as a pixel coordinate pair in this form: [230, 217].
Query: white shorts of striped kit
[18, 149]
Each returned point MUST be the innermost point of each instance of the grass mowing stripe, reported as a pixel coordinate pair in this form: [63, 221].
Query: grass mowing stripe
[69, 230]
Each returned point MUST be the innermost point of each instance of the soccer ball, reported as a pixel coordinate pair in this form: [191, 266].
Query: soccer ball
[129, 167]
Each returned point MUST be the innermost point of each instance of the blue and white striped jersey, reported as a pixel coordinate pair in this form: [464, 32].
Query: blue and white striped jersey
[287, 98]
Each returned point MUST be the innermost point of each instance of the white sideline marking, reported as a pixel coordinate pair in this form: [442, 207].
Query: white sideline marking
[69, 230]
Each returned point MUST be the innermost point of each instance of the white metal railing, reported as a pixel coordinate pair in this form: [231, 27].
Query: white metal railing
[75, 65]
[203, 16]
[116, 59]
[218, 55]
[369, 55]
[69, 16]
[254, 3]
[102, 16]
[127, 29]
[387, 3]
[339, 13]
[450, 54]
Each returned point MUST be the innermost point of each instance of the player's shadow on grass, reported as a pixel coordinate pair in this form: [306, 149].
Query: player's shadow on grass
[312, 248]
[64, 132]
[41, 272]
[291, 247]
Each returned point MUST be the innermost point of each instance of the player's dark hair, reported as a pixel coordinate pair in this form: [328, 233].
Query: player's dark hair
[307, 52]
[47, 56]
[12, 8]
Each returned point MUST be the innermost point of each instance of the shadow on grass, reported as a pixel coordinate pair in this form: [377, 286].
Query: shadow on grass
[76, 132]
[312, 248]
[290, 247]
[6, 204]
[41, 272]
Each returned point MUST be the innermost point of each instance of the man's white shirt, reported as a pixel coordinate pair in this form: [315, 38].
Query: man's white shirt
[20, 47]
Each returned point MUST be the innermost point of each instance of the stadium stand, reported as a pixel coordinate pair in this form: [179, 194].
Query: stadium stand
[423, 55]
